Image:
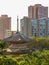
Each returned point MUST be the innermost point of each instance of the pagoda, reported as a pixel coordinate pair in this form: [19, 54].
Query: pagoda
[17, 43]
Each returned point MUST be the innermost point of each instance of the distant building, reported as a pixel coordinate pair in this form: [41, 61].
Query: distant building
[37, 11]
[40, 27]
[9, 33]
[5, 23]
[31, 26]
[25, 25]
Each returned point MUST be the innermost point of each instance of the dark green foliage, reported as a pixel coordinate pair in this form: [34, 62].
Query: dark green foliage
[38, 58]
[3, 46]
[7, 61]
[40, 43]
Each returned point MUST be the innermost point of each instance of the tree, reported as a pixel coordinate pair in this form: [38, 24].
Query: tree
[3, 46]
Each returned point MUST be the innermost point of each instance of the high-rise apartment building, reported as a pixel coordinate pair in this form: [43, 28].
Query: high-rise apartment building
[40, 27]
[37, 22]
[37, 11]
[5, 23]
[25, 25]
[31, 26]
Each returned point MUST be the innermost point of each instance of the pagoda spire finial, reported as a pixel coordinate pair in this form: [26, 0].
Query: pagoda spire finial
[17, 24]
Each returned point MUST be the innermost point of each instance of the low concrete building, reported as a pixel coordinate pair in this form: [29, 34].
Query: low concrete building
[9, 33]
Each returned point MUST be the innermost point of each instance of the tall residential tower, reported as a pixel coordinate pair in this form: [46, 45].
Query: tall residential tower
[37, 11]
[5, 24]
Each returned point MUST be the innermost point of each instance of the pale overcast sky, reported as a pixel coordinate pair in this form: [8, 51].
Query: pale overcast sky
[18, 7]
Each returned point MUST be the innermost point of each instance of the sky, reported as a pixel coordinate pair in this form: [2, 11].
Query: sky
[14, 8]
